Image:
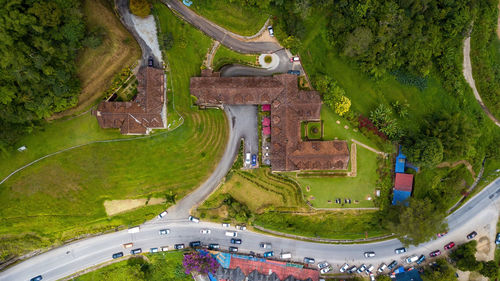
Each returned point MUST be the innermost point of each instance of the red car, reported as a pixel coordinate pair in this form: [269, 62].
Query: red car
[435, 253]
[449, 246]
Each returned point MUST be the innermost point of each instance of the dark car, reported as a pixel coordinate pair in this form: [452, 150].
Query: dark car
[497, 240]
[472, 235]
[392, 265]
[150, 61]
[235, 241]
[213, 246]
[117, 255]
[435, 253]
[296, 72]
[352, 269]
[36, 278]
[309, 260]
[194, 244]
[442, 234]
[421, 259]
[233, 249]
[179, 246]
[268, 254]
[449, 245]
[136, 251]
[400, 250]
[254, 159]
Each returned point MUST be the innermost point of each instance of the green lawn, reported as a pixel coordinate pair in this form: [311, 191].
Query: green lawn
[225, 56]
[62, 196]
[241, 20]
[160, 266]
[314, 130]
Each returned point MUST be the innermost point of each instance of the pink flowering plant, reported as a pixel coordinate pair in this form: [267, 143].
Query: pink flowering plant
[201, 263]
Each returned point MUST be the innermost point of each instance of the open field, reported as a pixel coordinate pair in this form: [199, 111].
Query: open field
[157, 266]
[62, 197]
[225, 56]
[96, 67]
[231, 16]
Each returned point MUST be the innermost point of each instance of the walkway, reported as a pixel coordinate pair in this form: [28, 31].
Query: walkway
[370, 148]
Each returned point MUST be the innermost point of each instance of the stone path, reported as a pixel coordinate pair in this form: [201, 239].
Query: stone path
[354, 166]
[370, 148]
[211, 54]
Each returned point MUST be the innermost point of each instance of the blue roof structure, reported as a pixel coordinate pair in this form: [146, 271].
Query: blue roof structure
[400, 196]
[411, 275]
[400, 162]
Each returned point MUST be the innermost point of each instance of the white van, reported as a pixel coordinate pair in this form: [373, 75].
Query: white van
[286, 255]
[232, 233]
[134, 229]
[411, 259]
[247, 159]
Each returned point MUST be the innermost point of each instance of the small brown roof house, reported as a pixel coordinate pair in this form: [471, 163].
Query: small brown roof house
[146, 112]
[289, 106]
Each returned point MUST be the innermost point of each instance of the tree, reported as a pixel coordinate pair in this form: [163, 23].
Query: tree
[383, 278]
[385, 123]
[167, 40]
[441, 271]
[333, 95]
[418, 223]
[426, 152]
[201, 263]
[465, 257]
[489, 269]
[342, 105]
[140, 8]
[358, 42]
[292, 42]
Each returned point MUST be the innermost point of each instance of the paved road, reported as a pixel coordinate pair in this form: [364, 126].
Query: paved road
[220, 34]
[480, 214]
[283, 66]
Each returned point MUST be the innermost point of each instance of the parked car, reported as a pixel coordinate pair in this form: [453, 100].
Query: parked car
[117, 255]
[254, 159]
[265, 245]
[294, 59]
[352, 269]
[382, 267]
[497, 240]
[37, 278]
[435, 253]
[153, 250]
[323, 264]
[150, 61]
[205, 231]
[213, 246]
[164, 248]
[325, 269]
[241, 227]
[194, 219]
[369, 254]
[411, 259]
[344, 267]
[372, 277]
[361, 268]
[442, 234]
[309, 260]
[392, 265]
[128, 245]
[179, 246]
[235, 241]
[421, 259]
[136, 251]
[471, 235]
[296, 72]
[194, 244]
[449, 245]
[271, 30]
[268, 254]
[233, 249]
[370, 269]
[286, 255]
[164, 231]
[232, 233]
[226, 225]
[400, 250]
[162, 214]
[247, 158]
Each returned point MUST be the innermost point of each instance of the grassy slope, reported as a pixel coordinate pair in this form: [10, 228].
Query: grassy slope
[225, 56]
[61, 197]
[97, 67]
[231, 16]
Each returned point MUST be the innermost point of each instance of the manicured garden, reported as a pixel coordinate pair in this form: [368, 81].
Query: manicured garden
[225, 56]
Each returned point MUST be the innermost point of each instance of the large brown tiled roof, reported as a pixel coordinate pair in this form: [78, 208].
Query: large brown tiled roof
[147, 111]
[289, 106]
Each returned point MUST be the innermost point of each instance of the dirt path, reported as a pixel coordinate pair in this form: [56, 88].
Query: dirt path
[211, 54]
[370, 148]
[354, 168]
[453, 165]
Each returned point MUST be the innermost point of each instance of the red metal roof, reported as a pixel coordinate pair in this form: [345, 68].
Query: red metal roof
[403, 182]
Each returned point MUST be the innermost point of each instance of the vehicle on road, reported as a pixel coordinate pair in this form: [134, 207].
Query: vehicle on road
[162, 214]
[268, 254]
[449, 245]
[291, 71]
[235, 241]
[128, 245]
[382, 267]
[286, 255]
[344, 267]
[435, 253]
[241, 227]
[226, 225]
[213, 246]
[471, 235]
[134, 229]
[164, 248]
[352, 269]
[392, 265]
[136, 251]
[411, 259]
[37, 278]
[117, 255]
[421, 259]
[153, 250]
[194, 244]
[150, 61]
[441, 234]
[179, 246]
[254, 159]
[194, 219]
[265, 245]
[271, 30]
[326, 269]
[247, 158]
[205, 231]
[361, 268]
[370, 269]
[372, 277]
[323, 264]
[309, 260]
[294, 59]
[400, 250]
[497, 240]
[233, 249]
[369, 254]
[164, 231]
[232, 233]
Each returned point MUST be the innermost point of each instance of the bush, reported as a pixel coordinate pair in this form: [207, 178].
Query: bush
[140, 8]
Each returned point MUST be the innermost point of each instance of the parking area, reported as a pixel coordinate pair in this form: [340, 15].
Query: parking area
[246, 116]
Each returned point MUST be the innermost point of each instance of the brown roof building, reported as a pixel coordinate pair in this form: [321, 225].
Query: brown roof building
[289, 106]
[147, 111]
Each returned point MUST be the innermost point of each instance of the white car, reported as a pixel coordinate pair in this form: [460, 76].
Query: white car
[344, 267]
[271, 31]
[164, 231]
[232, 233]
[205, 231]
[226, 225]
[411, 259]
[382, 267]
[241, 227]
[369, 254]
[247, 158]
[265, 245]
[370, 269]
[322, 265]
[164, 213]
[194, 219]
[325, 269]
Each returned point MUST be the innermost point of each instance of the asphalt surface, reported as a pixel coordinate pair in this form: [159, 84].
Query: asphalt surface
[220, 34]
[283, 66]
[480, 214]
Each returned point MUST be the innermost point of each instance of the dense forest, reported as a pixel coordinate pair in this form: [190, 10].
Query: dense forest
[39, 41]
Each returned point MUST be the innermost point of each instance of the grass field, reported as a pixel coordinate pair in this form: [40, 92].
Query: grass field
[160, 266]
[231, 16]
[96, 67]
[62, 197]
[225, 56]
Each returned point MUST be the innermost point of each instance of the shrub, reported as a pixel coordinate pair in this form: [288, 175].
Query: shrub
[140, 8]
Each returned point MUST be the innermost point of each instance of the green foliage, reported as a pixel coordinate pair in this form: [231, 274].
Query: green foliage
[426, 152]
[94, 37]
[385, 123]
[140, 8]
[166, 40]
[237, 210]
[465, 257]
[400, 109]
[383, 278]
[37, 57]
[489, 269]
[442, 271]
[292, 43]
[333, 95]
[407, 78]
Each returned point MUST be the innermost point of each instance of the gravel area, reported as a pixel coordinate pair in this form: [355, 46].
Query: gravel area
[146, 29]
